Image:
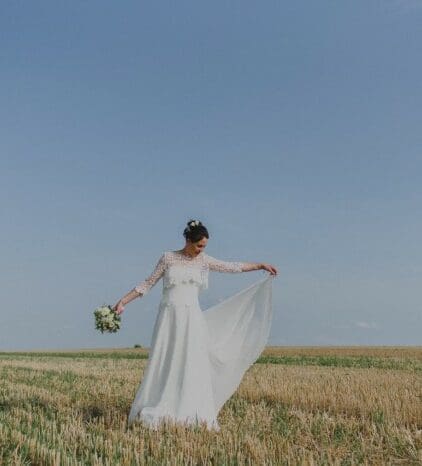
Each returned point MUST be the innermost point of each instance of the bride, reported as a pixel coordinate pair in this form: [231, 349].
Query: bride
[198, 358]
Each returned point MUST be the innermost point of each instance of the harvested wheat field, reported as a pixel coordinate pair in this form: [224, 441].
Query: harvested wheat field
[295, 405]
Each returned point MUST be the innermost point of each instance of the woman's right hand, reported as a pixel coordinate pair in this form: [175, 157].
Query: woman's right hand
[118, 308]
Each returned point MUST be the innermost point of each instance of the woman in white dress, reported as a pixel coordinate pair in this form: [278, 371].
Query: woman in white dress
[198, 358]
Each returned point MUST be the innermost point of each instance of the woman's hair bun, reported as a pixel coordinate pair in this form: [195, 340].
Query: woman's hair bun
[195, 230]
[193, 223]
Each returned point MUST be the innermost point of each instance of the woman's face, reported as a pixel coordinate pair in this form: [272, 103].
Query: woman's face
[199, 246]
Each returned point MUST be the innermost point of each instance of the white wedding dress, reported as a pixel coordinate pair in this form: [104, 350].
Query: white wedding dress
[198, 358]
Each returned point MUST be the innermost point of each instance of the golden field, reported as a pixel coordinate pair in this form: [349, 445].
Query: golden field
[295, 405]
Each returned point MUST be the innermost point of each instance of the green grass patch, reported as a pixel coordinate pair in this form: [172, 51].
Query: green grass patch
[363, 362]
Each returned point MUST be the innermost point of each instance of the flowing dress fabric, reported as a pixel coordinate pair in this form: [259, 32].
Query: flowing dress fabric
[198, 358]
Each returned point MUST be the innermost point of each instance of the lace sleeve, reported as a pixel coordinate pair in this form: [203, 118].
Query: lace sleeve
[218, 265]
[157, 273]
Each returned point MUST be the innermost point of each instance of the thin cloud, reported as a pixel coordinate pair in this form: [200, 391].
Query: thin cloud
[363, 324]
[340, 326]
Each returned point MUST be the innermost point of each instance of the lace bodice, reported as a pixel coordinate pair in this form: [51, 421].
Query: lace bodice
[175, 266]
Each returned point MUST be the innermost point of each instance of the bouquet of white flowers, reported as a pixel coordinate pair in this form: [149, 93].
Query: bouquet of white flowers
[106, 319]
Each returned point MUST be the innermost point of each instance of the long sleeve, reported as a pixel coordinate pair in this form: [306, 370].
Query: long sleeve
[157, 273]
[218, 265]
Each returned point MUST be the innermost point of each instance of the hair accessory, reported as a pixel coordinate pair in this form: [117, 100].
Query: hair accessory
[193, 223]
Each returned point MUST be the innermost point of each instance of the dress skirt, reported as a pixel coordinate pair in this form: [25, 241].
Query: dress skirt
[198, 358]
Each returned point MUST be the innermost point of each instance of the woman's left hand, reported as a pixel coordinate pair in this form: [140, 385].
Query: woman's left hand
[269, 268]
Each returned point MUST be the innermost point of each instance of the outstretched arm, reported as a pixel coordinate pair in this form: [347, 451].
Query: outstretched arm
[253, 266]
[224, 266]
[142, 288]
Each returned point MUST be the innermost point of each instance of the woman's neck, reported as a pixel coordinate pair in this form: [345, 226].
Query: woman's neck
[186, 253]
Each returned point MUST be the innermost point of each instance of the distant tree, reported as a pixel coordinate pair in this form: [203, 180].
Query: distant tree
[137, 346]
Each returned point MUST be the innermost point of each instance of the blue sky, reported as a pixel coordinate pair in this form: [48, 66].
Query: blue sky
[292, 130]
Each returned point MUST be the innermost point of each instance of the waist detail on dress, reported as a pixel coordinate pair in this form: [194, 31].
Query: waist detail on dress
[184, 293]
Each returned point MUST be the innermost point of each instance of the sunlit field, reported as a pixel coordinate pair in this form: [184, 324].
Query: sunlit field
[295, 405]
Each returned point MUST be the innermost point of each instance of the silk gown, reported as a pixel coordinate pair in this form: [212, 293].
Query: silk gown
[198, 357]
